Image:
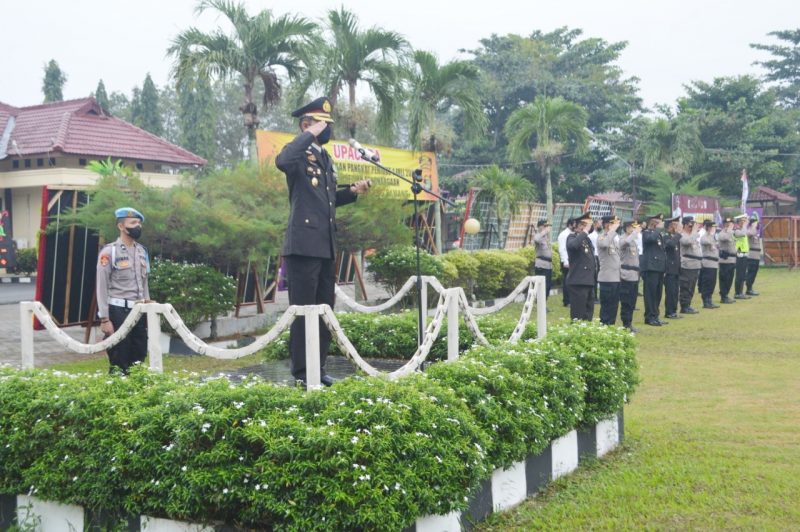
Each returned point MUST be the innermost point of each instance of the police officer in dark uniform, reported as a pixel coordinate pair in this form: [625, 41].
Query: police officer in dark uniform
[653, 265]
[122, 269]
[309, 246]
[582, 270]
[672, 248]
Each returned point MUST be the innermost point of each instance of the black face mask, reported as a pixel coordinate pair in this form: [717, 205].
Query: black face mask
[134, 232]
[325, 136]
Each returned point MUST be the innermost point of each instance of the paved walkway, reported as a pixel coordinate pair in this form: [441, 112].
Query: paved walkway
[48, 352]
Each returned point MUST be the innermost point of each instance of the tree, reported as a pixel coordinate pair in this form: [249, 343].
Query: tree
[148, 116]
[433, 89]
[369, 56]
[53, 83]
[784, 68]
[504, 190]
[101, 97]
[257, 47]
[198, 117]
[120, 106]
[136, 106]
[545, 130]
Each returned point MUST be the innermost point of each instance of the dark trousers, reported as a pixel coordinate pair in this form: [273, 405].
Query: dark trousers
[548, 276]
[726, 278]
[609, 302]
[581, 302]
[628, 290]
[741, 274]
[752, 271]
[708, 281]
[132, 348]
[671, 290]
[312, 281]
[688, 285]
[564, 291]
[653, 286]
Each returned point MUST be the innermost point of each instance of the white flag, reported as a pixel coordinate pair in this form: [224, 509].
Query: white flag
[745, 190]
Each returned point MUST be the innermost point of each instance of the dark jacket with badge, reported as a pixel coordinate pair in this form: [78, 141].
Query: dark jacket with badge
[653, 258]
[582, 264]
[672, 249]
[313, 198]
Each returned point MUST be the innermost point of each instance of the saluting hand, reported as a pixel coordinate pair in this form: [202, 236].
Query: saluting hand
[316, 128]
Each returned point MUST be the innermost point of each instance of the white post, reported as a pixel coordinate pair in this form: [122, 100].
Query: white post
[541, 307]
[154, 339]
[452, 324]
[424, 298]
[26, 333]
[313, 373]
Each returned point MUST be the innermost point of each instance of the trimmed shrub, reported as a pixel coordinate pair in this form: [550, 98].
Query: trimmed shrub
[466, 270]
[26, 261]
[392, 267]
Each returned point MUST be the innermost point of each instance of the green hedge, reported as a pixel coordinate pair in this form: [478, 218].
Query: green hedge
[366, 454]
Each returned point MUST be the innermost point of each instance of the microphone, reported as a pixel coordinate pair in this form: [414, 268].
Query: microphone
[366, 153]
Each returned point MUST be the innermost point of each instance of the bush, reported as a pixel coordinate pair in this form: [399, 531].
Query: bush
[393, 266]
[27, 261]
[466, 274]
[197, 292]
[499, 272]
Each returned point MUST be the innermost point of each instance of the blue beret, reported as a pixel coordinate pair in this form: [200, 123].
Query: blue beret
[128, 212]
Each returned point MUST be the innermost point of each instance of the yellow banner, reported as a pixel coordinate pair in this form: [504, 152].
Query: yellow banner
[351, 168]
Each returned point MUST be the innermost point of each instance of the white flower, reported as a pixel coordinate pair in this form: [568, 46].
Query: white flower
[354, 439]
[205, 427]
[225, 491]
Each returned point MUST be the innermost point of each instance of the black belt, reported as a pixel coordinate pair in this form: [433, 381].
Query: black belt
[715, 259]
[755, 249]
[695, 257]
[632, 268]
[725, 254]
[547, 259]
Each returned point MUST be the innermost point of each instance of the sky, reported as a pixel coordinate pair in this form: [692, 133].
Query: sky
[670, 43]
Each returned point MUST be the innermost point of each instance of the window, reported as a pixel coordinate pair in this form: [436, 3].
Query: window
[27, 163]
[15, 164]
[39, 163]
[139, 166]
[82, 162]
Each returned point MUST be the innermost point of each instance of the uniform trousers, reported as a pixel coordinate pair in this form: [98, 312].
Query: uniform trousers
[688, 285]
[752, 271]
[653, 286]
[564, 291]
[312, 281]
[708, 281]
[609, 302]
[726, 272]
[548, 276]
[741, 274]
[132, 348]
[671, 290]
[628, 290]
[581, 302]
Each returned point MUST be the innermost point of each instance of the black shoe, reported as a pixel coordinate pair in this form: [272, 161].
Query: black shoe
[689, 310]
[673, 316]
[654, 323]
[741, 296]
[709, 304]
[728, 301]
[633, 329]
[327, 380]
[752, 293]
[662, 322]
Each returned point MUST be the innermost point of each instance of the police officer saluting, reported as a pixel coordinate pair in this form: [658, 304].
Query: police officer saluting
[629, 273]
[652, 264]
[742, 252]
[122, 269]
[727, 260]
[309, 246]
[581, 276]
[543, 265]
[609, 274]
[753, 255]
[691, 262]
[672, 248]
[708, 272]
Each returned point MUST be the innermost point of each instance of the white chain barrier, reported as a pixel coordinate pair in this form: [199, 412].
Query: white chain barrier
[451, 302]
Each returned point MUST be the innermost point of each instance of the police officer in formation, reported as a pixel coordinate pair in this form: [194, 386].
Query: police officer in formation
[727, 260]
[564, 256]
[672, 248]
[740, 234]
[543, 265]
[691, 262]
[710, 266]
[122, 269]
[309, 246]
[629, 272]
[609, 275]
[753, 255]
[653, 266]
[582, 268]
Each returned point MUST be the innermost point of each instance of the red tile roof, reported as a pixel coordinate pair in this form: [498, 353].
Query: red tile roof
[763, 193]
[613, 197]
[80, 127]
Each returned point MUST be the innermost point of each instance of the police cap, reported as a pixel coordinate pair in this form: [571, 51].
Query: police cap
[128, 212]
[320, 110]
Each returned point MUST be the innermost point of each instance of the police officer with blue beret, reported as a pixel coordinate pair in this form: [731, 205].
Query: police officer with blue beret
[122, 269]
[309, 246]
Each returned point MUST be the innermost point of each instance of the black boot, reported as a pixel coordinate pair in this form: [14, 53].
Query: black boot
[707, 303]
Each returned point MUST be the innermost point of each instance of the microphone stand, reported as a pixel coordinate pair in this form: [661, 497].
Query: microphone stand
[416, 188]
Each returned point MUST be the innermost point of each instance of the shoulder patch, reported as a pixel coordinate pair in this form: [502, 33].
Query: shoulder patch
[104, 259]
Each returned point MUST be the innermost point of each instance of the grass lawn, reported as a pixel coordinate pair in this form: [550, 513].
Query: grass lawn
[198, 363]
[712, 434]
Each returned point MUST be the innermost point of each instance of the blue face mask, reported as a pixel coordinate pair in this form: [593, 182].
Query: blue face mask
[325, 136]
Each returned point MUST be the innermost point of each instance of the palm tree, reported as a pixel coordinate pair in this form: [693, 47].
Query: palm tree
[434, 89]
[258, 46]
[370, 56]
[505, 191]
[551, 125]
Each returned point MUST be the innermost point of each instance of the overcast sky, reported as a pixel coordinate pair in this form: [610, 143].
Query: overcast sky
[669, 42]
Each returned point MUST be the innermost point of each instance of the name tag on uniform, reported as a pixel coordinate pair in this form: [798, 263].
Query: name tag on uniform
[123, 264]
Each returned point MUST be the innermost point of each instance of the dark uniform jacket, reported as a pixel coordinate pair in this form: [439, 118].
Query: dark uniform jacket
[672, 248]
[653, 258]
[582, 264]
[312, 216]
